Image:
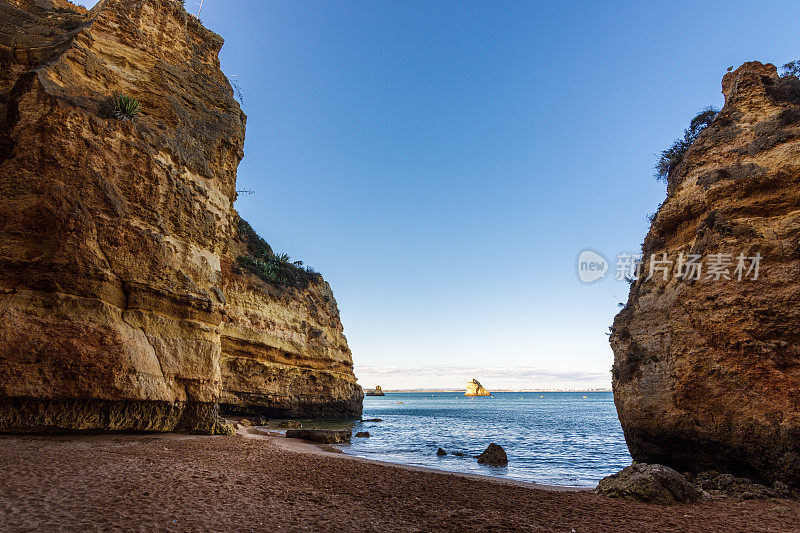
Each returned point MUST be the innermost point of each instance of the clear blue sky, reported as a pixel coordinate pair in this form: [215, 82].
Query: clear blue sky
[443, 163]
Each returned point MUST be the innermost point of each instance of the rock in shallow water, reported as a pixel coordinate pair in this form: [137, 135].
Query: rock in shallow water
[325, 436]
[493, 455]
[290, 424]
[649, 484]
[363, 434]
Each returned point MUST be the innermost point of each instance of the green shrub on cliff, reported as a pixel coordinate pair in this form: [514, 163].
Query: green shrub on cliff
[672, 156]
[277, 271]
[273, 268]
[120, 107]
[791, 68]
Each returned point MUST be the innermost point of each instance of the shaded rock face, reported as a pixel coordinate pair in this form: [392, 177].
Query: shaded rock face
[726, 485]
[649, 484]
[706, 373]
[493, 455]
[114, 235]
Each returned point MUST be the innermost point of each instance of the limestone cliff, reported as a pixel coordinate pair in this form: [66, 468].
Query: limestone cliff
[118, 304]
[707, 372]
[284, 353]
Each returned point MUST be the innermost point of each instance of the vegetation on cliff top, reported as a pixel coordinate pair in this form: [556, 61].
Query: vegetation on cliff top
[672, 156]
[791, 68]
[274, 268]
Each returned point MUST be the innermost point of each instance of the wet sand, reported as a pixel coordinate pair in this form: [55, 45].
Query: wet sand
[257, 483]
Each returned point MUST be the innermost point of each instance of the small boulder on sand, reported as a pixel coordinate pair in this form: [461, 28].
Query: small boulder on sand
[245, 422]
[290, 424]
[493, 455]
[647, 483]
[325, 436]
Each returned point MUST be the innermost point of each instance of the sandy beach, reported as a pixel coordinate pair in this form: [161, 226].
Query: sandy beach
[265, 483]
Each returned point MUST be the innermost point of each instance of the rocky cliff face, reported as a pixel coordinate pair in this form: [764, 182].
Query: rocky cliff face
[284, 353]
[707, 372]
[118, 306]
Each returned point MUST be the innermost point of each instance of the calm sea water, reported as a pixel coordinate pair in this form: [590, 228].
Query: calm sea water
[558, 438]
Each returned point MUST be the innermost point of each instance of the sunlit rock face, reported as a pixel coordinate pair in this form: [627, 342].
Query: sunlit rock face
[707, 372]
[117, 303]
[474, 388]
[284, 353]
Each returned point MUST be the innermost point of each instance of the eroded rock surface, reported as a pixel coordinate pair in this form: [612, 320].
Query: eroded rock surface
[118, 309]
[324, 436]
[649, 484]
[707, 373]
[284, 353]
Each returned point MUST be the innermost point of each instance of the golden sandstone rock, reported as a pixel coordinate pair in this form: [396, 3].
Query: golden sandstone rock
[474, 388]
[119, 306]
[707, 373]
[377, 391]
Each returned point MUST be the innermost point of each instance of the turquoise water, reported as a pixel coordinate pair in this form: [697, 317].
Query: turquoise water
[557, 438]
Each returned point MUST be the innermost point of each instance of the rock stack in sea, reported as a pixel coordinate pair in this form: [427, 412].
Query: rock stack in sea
[474, 388]
[377, 391]
[707, 371]
[130, 294]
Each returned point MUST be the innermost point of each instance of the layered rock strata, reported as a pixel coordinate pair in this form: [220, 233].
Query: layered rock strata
[284, 353]
[118, 306]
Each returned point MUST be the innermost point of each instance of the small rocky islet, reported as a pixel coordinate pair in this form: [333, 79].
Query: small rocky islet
[474, 388]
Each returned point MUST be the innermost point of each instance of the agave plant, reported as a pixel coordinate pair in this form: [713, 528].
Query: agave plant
[121, 107]
[127, 107]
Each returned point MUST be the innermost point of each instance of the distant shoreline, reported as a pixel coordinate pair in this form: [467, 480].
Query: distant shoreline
[421, 391]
